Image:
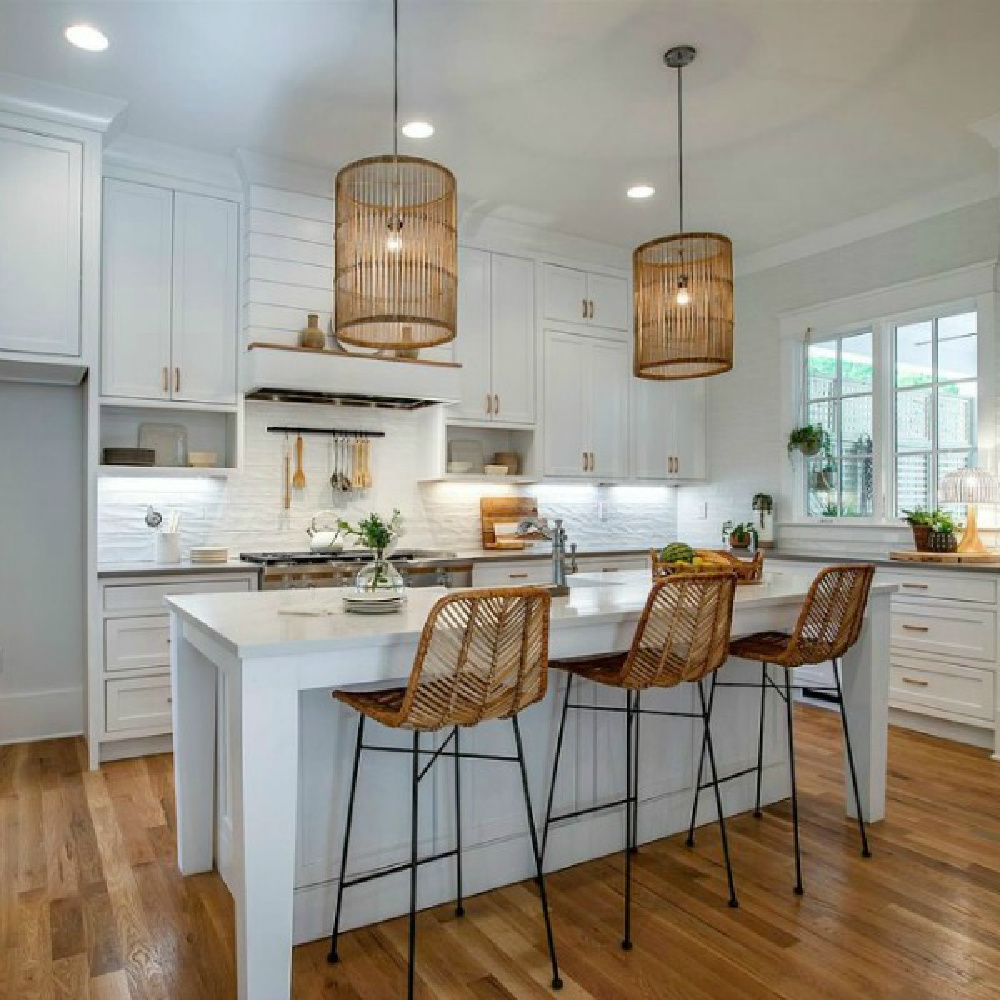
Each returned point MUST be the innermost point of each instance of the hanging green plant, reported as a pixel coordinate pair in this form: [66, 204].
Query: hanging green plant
[810, 440]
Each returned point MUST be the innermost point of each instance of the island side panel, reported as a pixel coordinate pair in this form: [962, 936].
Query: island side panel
[193, 680]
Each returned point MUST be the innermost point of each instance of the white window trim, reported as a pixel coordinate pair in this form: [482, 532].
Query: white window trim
[973, 287]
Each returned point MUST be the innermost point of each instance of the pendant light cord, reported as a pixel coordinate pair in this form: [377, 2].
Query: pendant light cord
[680, 147]
[395, 79]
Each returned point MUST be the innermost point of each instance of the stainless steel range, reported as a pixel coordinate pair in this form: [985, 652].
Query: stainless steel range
[419, 568]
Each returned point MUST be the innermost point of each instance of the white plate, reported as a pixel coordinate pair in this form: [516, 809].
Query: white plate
[374, 597]
[372, 609]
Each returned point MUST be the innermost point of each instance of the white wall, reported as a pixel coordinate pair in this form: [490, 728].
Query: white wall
[746, 436]
[42, 560]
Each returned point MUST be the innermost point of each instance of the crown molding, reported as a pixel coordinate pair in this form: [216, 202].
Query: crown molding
[128, 155]
[972, 191]
[285, 175]
[22, 95]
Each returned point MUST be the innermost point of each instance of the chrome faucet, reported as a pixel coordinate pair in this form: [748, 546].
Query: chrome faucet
[556, 535]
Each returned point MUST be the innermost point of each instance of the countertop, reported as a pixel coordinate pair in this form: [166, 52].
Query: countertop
[185, 567]
[276, 623]
[881, 559]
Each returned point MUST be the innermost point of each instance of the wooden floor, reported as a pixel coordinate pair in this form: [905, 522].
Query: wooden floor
[92, 905]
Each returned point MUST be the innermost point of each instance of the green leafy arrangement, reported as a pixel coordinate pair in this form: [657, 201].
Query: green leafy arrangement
[375, 532]
[810, 440]
[739, 535]
[939, 521]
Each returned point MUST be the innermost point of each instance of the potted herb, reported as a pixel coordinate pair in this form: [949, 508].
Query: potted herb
[740, 536]
[376, 533]
[810, 440]
[920, 522]
[942, 535]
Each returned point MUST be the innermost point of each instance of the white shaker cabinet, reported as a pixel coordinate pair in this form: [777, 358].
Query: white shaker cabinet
[670, 427]
[169, 324]
[41, 187]
[586, 407]
[496, 338]
[585, 298]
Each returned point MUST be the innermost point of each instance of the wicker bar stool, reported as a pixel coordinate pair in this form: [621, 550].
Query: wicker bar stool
[482, 655]
[682, 636]
[828, 625]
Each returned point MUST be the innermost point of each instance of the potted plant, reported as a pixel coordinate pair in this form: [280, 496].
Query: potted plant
[810, 440]
[942, 535]
[920, 522]
[376, 533]
[740, 536]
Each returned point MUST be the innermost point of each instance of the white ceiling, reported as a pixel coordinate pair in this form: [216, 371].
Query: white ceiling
[799, 114]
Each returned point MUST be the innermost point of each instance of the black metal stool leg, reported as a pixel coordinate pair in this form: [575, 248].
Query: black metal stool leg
[556, 981]
[760, 737]
[414, 809]
[627, 938]
[790, 711]
[555, 765]
[733, 901]
[701, 770]
[865, 852]
[332, 956]
[459, 902]
[635, 777]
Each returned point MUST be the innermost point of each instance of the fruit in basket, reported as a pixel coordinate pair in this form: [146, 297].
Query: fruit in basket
[677, 552]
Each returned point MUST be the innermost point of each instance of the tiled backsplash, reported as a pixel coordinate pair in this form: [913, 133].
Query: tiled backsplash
[245, 512]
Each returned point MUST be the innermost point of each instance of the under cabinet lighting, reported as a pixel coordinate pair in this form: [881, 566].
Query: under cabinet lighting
[641, 191]
[418, 130]
[87, 37]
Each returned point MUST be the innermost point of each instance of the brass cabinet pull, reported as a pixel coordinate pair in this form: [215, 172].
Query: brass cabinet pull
[592, 461]
[177, 380]
[591, 308]
[517, 576]
[584, 461]
[584, 308]
[916, 628]
[915, 682]
[489, 404]
[677, 465]
[610, 569]
[166, 379]
[496, 405]
[916, 586]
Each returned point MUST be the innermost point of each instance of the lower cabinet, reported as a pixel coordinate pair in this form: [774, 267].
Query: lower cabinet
[512, 573]
[954, 691]
[131, 695]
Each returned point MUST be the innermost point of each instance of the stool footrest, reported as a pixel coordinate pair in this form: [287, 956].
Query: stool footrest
[729, 777]
[404, 866]
[588, 810]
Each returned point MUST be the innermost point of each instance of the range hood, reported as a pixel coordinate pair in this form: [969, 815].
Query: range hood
[281, 373]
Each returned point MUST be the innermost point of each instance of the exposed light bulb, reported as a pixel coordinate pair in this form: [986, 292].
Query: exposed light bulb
[683, 295]
[87, 37]
[394, 243]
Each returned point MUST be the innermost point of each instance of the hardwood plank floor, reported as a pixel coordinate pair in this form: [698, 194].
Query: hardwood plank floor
[92, 906]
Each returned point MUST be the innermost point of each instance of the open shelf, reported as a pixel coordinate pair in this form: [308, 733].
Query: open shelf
[471, 477]
[161, 472]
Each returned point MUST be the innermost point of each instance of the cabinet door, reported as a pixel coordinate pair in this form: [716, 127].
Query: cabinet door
[608, 397]
[41, 182]
[566, 365]
[565, 294]
[609, 301]
[206, 257]
[135, 306]
[652, 433]
[512, 348]
[472, 345]
[689, 423]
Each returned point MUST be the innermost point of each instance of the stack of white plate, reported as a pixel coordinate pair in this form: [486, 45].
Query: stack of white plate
[209, 554]
[373, 602]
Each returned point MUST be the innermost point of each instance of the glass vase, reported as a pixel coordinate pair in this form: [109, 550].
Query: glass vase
[379, 576]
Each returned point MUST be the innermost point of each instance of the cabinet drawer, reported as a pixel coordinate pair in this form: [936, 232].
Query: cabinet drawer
[512, 574]
[134, 704]
[136, 643]
[611, 564]
[954, 632]
[935, 688]
[940, 585]
[149, 596]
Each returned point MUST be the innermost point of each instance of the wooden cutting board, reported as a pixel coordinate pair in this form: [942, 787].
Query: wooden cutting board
[955, 558]
[506, 510]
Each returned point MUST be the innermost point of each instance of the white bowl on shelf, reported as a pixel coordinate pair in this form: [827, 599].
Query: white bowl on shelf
[496, 470]
[459, 467]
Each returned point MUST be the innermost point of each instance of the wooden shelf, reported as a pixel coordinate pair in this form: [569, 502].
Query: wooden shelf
[161, 472]
[466, 477]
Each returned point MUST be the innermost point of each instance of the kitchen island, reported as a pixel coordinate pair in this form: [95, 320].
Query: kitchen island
[262, 754]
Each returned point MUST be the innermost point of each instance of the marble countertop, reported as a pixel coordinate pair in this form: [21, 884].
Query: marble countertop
[276, 623]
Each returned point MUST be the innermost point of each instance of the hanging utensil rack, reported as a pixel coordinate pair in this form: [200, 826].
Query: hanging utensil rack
[340, 432]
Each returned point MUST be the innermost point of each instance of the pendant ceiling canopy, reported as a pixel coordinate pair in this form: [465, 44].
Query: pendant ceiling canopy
[683, 287]
[396, 246]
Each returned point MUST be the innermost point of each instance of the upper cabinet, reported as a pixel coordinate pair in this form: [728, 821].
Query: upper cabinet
[41, 189]
[169, 317]
[585, 298]
[496, 338]
[668, 440]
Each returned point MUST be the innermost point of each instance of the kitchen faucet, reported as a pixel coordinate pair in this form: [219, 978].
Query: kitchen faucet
[556, 535]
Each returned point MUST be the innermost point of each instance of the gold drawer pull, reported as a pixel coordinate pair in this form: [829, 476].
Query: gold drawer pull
[517, 576]
[916, 586]
[915, 682]
[916, 628]
[610, 569]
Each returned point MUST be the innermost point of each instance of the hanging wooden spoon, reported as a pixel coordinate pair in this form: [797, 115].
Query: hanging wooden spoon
[299, 479]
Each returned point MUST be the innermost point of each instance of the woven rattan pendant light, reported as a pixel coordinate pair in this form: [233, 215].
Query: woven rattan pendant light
[683, 287]
[396, 247]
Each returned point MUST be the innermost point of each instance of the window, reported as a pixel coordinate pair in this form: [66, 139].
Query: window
[923, 373]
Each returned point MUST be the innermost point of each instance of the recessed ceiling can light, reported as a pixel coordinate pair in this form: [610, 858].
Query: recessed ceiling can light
[418, 130]
[641, 191]
[87, 37]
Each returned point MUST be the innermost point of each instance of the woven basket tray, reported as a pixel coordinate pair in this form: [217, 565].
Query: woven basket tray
[746, 570]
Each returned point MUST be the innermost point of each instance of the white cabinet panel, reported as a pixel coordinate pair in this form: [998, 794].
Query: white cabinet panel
[136, 643]
[131, 597]
[512, 354]
[935, 688]
[937, 585]
[565, 294]
[472, 345]
[670, 429]
[206, 238]
[608, 397]
[689, 429]
[41, 181]
[958, 632]
[135, 306]
[567, 406]
[520, 573]
[139, 704]
[609, 305]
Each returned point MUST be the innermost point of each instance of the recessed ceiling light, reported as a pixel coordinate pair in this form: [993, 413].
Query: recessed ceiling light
[418, 130]
[641, 191]
[86, 36]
